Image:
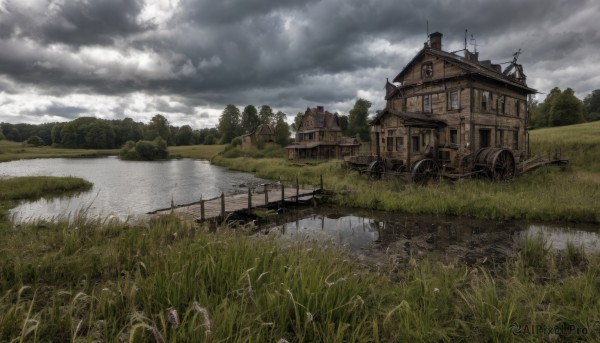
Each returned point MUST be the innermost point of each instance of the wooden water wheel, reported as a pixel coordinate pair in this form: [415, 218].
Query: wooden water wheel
[424, 171]
[376, 169]
[498, 163]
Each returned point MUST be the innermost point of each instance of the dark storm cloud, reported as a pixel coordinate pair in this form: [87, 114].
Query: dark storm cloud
[57, 110]
[162, 106]
[285, 53]
[74, 22]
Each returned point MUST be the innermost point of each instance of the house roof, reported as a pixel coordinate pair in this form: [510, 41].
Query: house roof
[411, 119]
[264, 129]
[323, 119]
[471, 67]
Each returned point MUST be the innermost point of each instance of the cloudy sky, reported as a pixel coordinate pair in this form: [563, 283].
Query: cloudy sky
[187, 59]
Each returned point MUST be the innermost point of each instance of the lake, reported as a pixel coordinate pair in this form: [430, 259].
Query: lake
[125, 188]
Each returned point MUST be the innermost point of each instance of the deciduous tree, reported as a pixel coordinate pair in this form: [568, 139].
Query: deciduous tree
[250, 120]
[282, 129]
[357, 120]
[229, 123]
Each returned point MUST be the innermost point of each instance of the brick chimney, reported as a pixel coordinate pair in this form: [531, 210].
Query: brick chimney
[436, 40]
[320, 109]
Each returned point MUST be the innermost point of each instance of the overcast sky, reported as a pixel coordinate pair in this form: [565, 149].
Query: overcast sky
[187, 59]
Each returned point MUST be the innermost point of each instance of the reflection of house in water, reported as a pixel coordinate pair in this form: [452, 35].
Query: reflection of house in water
[320, 136]
[263, 134]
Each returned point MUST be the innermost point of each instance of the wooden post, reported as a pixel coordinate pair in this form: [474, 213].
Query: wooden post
[266, 195]
[282, 195]
[321, 181]
[297, 189]
[202, 217]
[249, 199]
[223, 205]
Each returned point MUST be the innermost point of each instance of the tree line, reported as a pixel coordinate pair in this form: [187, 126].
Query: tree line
[233, 123]
[94, 133]
[564, 108]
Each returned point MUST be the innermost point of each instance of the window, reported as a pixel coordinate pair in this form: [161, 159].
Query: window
[516, 140]
[453, 100]
[453, 137]
[485, 98]
[399, 143]
[427, 70]
[415, 144]
[390, 140]
[500, 104]
[484, 138]
[427, 103]
[517, 108]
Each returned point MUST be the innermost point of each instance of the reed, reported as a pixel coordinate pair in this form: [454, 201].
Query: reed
[164, 280]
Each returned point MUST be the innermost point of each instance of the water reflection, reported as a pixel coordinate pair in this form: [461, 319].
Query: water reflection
[125, 188]
[466, 238]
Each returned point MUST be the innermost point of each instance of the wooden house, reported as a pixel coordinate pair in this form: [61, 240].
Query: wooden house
[320, 136]
[447, 106]
[263, 134]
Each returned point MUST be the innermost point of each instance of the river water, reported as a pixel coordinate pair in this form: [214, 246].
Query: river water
[125, 188]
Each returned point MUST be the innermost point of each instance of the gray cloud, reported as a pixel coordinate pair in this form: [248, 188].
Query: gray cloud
[57, 110]
[289, 54]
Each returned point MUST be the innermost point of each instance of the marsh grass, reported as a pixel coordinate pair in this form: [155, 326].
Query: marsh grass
[96, 280]
[34, 187]
[10, 151]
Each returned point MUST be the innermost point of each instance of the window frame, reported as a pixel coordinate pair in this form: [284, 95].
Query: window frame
[429, 109]
[415, 147]
[450, 104]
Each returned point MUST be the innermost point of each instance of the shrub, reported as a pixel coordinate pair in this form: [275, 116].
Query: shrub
[144, 150]
[237, 141]
[35, 141]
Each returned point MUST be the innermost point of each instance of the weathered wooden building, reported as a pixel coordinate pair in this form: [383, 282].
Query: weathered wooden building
[263, 134]
[320, 136]
[447, 106]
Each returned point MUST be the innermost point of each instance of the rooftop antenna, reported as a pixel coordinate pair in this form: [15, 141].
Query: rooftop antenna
[473, 42]
[427, 40]
[466, 30]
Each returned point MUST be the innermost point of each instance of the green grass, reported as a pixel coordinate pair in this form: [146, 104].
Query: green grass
[34, 187]
[550, 193]
[10, 151]
[92, 280]
[203, 152]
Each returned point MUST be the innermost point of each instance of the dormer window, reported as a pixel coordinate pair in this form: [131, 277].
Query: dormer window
[427, 70]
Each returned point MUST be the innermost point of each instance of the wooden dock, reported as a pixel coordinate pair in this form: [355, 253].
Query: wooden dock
[220, 207]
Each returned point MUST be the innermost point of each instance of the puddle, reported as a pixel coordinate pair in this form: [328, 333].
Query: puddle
[372, 233]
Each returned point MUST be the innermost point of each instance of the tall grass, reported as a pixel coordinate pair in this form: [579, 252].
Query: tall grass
[203, 152]
[164, 280]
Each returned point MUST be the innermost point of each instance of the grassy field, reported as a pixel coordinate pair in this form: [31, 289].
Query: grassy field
[203, 152]
[551, 193]
[10, 151]
[167, 281]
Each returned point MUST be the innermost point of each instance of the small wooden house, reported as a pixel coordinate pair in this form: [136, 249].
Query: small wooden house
[445, 106]
[263, 134]
[320, 136]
